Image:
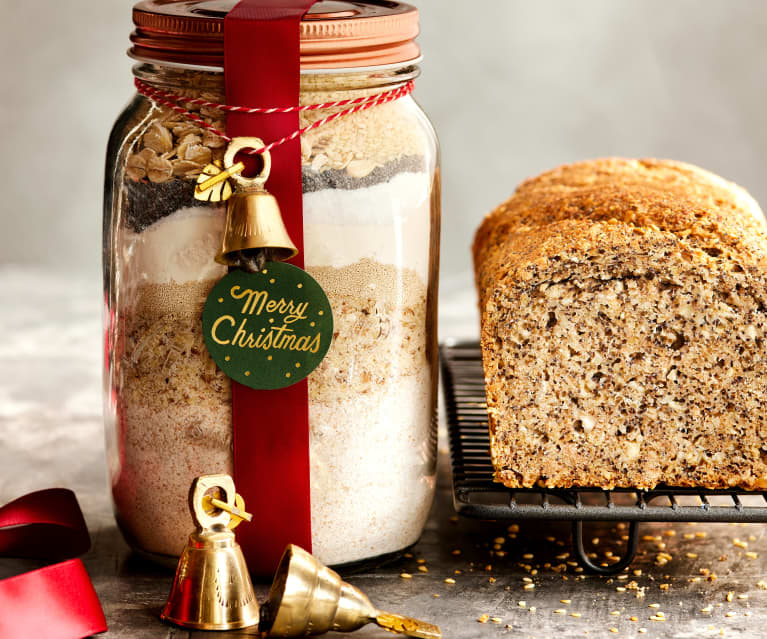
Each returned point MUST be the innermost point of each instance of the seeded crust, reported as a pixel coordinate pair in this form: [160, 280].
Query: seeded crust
[623, 326]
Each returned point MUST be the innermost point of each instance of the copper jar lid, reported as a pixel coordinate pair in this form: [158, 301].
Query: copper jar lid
[334, 33]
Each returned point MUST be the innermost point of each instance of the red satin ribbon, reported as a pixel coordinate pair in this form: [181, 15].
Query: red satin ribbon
[58, 601]
[271, 428]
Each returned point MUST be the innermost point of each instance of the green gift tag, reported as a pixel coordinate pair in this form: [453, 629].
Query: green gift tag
[268, 329]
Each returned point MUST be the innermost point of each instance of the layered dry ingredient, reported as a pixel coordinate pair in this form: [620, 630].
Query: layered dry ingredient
[623, 329]
[367, 235]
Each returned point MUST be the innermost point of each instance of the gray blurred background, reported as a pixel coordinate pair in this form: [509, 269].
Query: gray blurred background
[513, 87]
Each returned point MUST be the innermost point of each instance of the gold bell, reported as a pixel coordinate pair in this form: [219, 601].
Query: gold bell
[253, 218]
[308, 598]
[212, 588]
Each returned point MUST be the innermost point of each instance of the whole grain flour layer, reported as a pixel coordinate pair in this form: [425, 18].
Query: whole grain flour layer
[623, 324]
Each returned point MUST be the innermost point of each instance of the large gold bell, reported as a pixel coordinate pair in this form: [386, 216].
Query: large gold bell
[253, 218]
[212, 589]
[308, 598]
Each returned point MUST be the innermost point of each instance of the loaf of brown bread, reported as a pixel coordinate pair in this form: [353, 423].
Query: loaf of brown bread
[623, 326]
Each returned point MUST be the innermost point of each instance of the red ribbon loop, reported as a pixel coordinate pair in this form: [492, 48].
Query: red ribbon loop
[58, 601]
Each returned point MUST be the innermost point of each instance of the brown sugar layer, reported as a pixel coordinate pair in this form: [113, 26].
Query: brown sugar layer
[623, 319]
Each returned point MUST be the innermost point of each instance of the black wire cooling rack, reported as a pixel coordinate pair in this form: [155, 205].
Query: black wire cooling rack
[476, 495]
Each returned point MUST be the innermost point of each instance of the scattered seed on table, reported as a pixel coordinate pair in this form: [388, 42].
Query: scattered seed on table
[423, 569]
[406, 575]
[449, 580]
[529, 586]
[483, 618]
[730, 596]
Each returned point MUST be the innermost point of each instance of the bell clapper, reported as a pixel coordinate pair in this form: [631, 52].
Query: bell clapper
[407, 626]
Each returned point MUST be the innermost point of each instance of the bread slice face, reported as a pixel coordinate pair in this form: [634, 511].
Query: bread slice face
[623, 318]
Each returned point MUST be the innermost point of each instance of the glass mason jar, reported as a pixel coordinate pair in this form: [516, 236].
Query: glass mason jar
[371, 233]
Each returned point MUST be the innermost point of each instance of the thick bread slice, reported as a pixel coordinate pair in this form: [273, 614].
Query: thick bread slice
[623, 329]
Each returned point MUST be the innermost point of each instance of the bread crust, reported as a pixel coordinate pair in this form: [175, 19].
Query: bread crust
[616, 230]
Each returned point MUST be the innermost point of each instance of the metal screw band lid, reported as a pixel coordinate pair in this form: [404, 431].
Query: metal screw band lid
[334, 34]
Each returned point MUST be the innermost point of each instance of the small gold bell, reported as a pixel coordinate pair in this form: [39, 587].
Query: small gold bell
[308, 598]
[212, 588]
[254, 221]
[253, 218]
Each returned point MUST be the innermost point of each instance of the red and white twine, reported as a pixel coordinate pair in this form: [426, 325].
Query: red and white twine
[175, 102]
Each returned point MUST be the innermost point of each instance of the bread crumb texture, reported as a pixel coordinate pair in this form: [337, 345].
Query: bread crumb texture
[623, 324]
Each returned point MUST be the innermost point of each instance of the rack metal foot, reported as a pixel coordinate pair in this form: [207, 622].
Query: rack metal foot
[612, 569]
